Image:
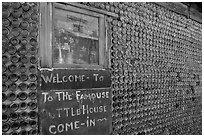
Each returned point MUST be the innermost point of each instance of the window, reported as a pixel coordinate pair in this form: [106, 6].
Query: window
[71, 37]
[76, 38]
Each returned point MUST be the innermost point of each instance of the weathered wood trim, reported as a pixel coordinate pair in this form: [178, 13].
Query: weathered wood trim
[175, 6]
[182, 9]
[76, 9]
[108, 44]
[91, 8]
[45, 40]
[195, 15]
[102, 42]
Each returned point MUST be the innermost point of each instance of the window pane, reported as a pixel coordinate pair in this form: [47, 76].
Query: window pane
[76, 38]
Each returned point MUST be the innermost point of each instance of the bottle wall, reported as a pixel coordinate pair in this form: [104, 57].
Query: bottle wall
[156, 70]
[155, 57]
[20, 23]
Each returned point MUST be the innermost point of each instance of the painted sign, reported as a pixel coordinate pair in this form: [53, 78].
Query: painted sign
[86, 111]
[75, 102]
[74, 79]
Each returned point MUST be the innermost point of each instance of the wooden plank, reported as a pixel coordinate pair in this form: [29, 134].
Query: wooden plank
[79, 66]
[109, 37]
[175, 6]
[42, 33]
[102, 40]
[45, 35]
[182, 9]
[76, 9]
[91, 9]
[186, 3]
[49, 33]
[108, 44]
[195, 15]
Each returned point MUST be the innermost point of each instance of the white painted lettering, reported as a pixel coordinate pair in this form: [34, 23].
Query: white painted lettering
[87, 121]
[95, 109]
[58, 95]
[104, 107]
[54, 79]
[103, 94]
[63, 78]
[92, 122]
[67, 111]
[107, 94]
[68, 126]
[85, 108]
[101, 78]
[78, 111]
[93, 95]
[50, 98]
[83, 78]
[52, 127]
[60, 128]
[91, 110]
[46, 79]
[98, 95]
[77, 94]
[45, 96]
[101, 109]
[72, 112]
[71, 78]
[77, 78]
[66, 96]
[58, 110]
[76, 124]
[58, 80]
[96, 76]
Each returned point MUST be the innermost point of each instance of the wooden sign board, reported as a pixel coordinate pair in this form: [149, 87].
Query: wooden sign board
[60, 79]
[75, 111]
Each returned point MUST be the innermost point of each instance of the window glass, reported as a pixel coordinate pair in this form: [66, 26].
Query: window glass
[76, 38]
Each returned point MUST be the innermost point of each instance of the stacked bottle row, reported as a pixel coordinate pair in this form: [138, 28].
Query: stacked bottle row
[156, 69]
[19, 68]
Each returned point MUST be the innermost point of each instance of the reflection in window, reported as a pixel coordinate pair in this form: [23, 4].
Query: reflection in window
[75, 38]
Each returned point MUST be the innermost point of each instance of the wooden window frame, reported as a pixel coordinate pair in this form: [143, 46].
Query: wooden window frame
[47, 34]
